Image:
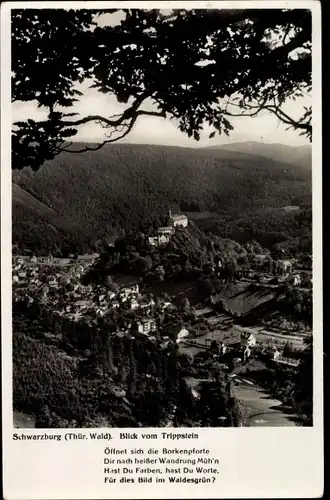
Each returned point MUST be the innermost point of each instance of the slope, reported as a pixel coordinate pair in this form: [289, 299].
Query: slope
[131, 187]
[300, 156]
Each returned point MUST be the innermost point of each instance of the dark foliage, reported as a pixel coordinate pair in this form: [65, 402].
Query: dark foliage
[199, 67]
[94, 378]
[78, 202]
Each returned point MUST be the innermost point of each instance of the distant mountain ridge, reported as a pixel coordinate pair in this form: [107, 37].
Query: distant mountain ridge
[77, 199]
[300, 156]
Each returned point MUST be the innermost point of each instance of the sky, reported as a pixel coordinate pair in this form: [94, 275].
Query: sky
[155, 130]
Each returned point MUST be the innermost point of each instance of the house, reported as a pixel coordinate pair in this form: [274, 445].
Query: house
[287, 361]
[283, 267]
[82, 304]
[166, 342]
[166, 305]
[296, 279]
[146, 325]
[271, 352]
[153, 241]
[34, 259]
[177, 220]
[161, 239]
[128, 291]
[148, 305]
[134, 304]
[175, 332]
[248, 339]
[115, 304]
[222, 348]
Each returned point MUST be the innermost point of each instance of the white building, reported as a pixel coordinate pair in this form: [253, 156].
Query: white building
[222, 348]
[146, 326]
[134, 304]
[166, 305]
[176, 333]
[271, 352]
[161, 239]
[248, 339]
[284, 266]
[177, 220]
[128, 292]
[287, 361]
[296, 279]
[153, 241]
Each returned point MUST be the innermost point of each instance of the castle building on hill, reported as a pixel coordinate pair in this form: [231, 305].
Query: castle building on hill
[177, 220]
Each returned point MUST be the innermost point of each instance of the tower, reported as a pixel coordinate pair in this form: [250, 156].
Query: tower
[169, 214]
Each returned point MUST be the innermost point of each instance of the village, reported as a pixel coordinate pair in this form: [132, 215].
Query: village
[56, 285]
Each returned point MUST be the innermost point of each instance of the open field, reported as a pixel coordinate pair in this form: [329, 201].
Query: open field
[222, 329]
[263, 336]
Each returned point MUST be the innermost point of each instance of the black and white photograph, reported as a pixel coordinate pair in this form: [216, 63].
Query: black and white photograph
[162, 216]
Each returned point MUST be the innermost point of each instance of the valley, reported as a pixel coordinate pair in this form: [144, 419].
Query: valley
[127, 306]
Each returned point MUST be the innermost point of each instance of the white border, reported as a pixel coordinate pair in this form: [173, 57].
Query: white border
[255, 462]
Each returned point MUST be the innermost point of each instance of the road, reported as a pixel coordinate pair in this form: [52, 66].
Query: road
[260, 409]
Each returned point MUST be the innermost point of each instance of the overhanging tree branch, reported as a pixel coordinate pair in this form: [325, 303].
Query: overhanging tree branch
[122, 135]
[148, 55]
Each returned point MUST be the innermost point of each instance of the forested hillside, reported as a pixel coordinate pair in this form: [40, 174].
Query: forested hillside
[78, 200]
[300, 156]
[93, 378]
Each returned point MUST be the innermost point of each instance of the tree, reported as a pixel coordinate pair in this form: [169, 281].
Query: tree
[198, 67]
[132, 375]
[159, 273]
[235, 412]
[186, 304]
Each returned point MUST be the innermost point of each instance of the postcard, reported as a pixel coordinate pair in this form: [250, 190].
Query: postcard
[161, 223]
